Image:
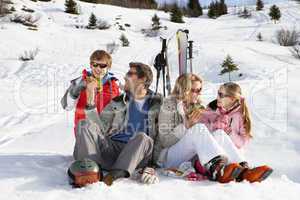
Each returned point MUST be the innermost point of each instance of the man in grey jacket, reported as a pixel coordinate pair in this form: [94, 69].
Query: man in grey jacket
[121, 138]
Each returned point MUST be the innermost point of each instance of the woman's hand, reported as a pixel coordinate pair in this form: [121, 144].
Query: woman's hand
[90, 90]
[194, 118]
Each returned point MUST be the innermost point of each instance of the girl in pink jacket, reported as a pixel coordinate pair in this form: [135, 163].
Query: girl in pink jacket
[230, 113]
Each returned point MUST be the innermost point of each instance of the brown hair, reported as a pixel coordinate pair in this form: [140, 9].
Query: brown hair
[183, 85]
[235, 91]
[143, 71]
[101, 55]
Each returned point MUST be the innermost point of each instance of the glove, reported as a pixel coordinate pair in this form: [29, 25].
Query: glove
[192, 176]
[180, 172]
[149, 176]
[173, 172]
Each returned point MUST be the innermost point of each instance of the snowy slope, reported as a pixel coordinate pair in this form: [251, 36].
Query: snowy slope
[36, 138]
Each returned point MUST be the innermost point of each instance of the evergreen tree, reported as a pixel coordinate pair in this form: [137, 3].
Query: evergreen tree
[259, 37]
[12, 9]
[194, 8]
[71, 7]
[275, 13]
[217, 8]
[155, 22]
[176, 14]
[152, 4]
[212, 10]
[165, 7]
[124, 40]
[228, 66]
[223, 8]
[259, 5]
[92, 21]
[245, 13]
[4, 9]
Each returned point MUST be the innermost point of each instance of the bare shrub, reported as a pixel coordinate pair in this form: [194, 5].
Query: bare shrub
[26, 20]
[112, 47]
[295, 50]
[102, 24]
[29, 54]
[287, 37]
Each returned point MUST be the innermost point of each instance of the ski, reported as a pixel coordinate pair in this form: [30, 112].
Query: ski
[168, 79]
[182, 41]
[185, 51]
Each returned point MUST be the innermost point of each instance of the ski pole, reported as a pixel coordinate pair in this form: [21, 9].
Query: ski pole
[157, 66]
[163, 50]
[191, 55]
[157, 80]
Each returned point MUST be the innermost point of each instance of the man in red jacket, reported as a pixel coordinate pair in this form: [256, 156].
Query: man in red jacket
[98, 74]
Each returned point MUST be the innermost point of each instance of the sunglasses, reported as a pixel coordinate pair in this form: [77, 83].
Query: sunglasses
[197, 91]
[222, 95]
[131, 73]
[101, 65]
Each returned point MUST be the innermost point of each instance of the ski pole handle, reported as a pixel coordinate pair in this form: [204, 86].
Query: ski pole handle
[164, 45]
[190, 49]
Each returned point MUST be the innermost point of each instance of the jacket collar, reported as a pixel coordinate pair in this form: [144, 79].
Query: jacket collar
[235, 108]
[107, 77]
[152, 98]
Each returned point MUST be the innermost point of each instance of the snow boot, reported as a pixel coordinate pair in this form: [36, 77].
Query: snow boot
[230, 173]
[214, 166]
[114, 175]
[256, 174]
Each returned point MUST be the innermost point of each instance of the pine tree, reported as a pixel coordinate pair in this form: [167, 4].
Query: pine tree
[259, 37]
[259, 5]
[71, 7]
[194, 8]
[155, 22]
[212, 10]
[245, 13]
[152, 4]
[223, 8]
[275, 13]
[92, 21]
[217, 8]
[176, 14]
[124, 40]
[4, 7]
[165, 7]
[228, 66]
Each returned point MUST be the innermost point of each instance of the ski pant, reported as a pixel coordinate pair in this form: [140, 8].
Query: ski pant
[109, 154]
[198, 141]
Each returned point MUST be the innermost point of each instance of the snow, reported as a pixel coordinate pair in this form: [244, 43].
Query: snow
[36, 138]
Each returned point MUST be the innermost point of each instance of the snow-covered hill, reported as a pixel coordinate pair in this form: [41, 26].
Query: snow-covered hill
[36, 138]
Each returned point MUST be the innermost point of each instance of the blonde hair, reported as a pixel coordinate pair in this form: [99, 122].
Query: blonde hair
[101, 55]
[183, 86]
[235, 91]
